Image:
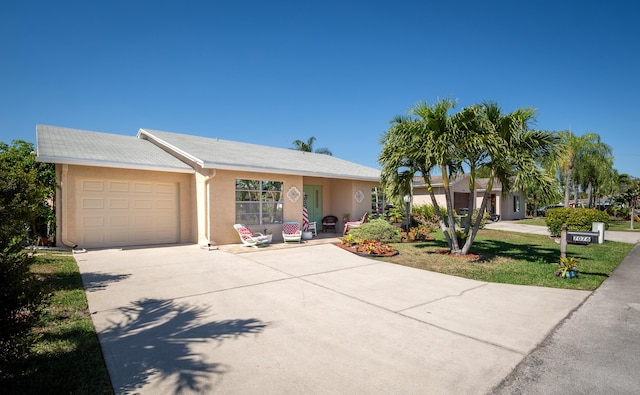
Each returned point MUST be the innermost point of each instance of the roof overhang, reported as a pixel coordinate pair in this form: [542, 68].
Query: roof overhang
[115, 165]
[291, 172]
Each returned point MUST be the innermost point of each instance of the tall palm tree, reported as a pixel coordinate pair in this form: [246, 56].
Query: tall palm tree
[514, 153]
[430, 139]
[578, 151]
[422, 142]
[594, 167]
[307, 146]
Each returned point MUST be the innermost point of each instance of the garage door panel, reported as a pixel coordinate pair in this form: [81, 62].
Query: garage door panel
[118, 213]
[165, 234]
[143, 220]
[141, 204]
[93, 237]
[165, 189]
[92, 204]
[119, 220]
[118, 186]
[93, 222]
[165, 204]
[143, 237]
[96, 186]
[119, 238]
[120, 203]
[143, 188]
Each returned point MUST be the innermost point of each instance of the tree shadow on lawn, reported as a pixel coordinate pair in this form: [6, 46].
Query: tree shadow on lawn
[489, 249]
[155, 337]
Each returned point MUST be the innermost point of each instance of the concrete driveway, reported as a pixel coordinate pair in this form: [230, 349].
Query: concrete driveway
[316, 319]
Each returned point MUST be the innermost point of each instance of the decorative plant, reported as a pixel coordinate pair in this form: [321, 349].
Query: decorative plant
[377, 229]
[567, 264]
[420, 232]
[348, 239]
[461, 235]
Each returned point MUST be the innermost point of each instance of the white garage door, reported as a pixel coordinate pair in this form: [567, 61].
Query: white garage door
[112, 213]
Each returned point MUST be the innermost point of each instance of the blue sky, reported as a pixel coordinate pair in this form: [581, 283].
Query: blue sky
[271, 72]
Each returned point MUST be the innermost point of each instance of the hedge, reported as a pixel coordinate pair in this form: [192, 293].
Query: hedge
[575, 218]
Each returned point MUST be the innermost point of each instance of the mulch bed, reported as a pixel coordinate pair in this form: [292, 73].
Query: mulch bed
[357, 249]
[446, 251]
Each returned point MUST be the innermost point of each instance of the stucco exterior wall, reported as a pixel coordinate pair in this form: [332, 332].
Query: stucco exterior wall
[207, 200]
[337, 199]
[421, 197]
[222, 205]
[67, 204]
[508, 208]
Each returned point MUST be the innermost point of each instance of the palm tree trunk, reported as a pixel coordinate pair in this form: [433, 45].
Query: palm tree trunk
[481, 210]
[455, 249]
[436, 208]
[567, 187]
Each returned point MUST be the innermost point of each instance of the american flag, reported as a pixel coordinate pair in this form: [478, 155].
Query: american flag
[305, 214]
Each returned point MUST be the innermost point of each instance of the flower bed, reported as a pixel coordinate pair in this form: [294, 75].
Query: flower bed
[369, 248]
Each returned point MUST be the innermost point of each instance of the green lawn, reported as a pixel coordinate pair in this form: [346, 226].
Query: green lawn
[515, 258]
[67, 358]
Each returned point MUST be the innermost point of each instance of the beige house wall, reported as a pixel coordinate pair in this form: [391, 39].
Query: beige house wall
[508, 208]
[337, 199]
[67, 205]
[421, 197]
[207, 200]
[222, 205]
[504, 204]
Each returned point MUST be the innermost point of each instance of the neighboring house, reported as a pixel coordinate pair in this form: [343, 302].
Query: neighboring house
[509, 206]
[161, 187]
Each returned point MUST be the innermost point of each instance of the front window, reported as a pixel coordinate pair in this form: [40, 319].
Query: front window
[259, 202]
[516, 204]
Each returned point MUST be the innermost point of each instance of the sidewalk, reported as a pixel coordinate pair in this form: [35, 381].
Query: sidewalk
[596, 350]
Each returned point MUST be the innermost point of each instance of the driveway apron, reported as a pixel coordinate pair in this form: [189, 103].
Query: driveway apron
[316, 319]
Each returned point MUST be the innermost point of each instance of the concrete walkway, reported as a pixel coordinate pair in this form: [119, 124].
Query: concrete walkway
[312, 320]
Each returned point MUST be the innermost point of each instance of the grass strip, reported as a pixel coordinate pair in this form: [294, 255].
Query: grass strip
[67, 358]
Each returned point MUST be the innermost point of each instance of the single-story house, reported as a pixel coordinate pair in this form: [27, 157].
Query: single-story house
[510, 206]
[161, 187]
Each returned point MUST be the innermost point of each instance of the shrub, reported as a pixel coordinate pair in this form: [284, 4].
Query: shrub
[575, 218]
[21, 302]
[426, 214]
[421, 232]
[377, 229]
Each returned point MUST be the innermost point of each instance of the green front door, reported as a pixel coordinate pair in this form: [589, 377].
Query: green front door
[314, 202]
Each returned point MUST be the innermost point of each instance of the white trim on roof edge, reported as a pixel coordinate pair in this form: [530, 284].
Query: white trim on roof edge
[117, 165]
[145, 135]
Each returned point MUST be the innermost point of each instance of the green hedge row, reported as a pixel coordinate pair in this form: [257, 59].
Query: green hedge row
[575, 218]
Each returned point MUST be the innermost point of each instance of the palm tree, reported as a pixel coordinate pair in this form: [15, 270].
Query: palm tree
[513, 153]
[577, 154]
[421, 142]
[429, 139]
[307, 146]
[594, 167]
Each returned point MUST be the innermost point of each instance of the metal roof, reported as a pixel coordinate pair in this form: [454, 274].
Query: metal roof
[230, 155]
[82, 147]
